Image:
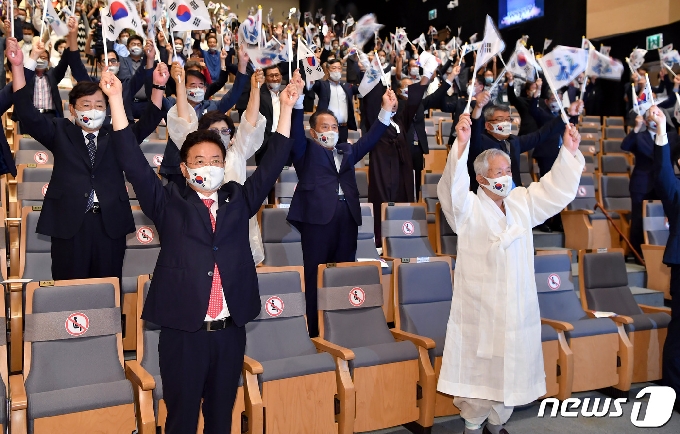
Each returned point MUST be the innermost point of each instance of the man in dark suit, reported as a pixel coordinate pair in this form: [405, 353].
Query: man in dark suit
[204, 288]
[325, 206]
[640, 141]
[269, 105]
[668, 188]
[44, 84]
[86, 209]
[338, 97]
[493, 131]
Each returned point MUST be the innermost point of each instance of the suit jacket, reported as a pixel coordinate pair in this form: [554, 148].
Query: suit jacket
[180, 290]
[74, 176]
[481, 140]
[323, 90]
[642, 146]
[56, 74]
[668, 188]
[316, 194]
[432, 101]
[547, 153]
[7, 160]
[266, 108]
[126, 69]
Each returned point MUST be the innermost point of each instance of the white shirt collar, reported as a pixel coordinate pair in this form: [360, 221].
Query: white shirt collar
[213, 196]
[85, 133]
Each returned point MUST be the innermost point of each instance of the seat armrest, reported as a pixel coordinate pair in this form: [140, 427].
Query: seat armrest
[420, 341]
[139, 376]
[446, 255]
[252, 365]
[655, 309]
[558, 325]
[331, 348]
[652, 247]
[577, 211]
[17, 393]
[619, 319]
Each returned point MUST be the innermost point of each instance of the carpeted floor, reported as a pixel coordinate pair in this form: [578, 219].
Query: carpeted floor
[525, 421]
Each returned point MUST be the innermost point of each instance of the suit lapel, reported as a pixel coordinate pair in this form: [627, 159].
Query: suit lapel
[102, 144]
[223, 197]
[75, 134]
[345, 148]
[203, 211]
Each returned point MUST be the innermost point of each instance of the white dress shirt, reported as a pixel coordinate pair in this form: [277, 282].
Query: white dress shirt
[338, 102]
[276, 109]
[96, 135]
[213, 210]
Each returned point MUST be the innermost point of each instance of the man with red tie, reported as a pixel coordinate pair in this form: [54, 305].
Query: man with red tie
[204, 288]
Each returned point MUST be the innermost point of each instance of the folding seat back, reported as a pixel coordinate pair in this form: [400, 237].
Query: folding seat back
[141, 253]
[595, 119]
[63, 94]
[445, 127]
[430, 127]
[32, 184]
[585, 194]
[604, 287]
[285, 186]
[35, 248]
[614, 164]
[153, 151]
[366, 237]
[281, 240]
[353, 136]
[404, 231]
[592, 136]
[41, 157]
[28, 143]
[298, 383]
[3, 370]
[75, 322]
[428, 191]
[615, 192]
[615, 132]
[361, 175]
[525, 169]
[590, 166]
[612, 146]
[447, 240]
[437, 115]
[555, 288]
[654, 223]
[589, 125]
[589, 128]
[613, 121]
[350, 302]
[590, 146]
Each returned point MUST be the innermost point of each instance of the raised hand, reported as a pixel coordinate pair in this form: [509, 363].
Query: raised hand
[575, 108]
[177, 72]
[639, 122]
[38, 49]
[8, 27]
[223, 54]
[389, 101]
[160, 74]
[571, 139]
[454, 72]
[463, 132]
[14, 53]
[288, 96]
[72, 25]
[150, 49]
[257, 79]
[658, 116]
[483, 99]
[243, 59]
[298, 81]
[111, 85]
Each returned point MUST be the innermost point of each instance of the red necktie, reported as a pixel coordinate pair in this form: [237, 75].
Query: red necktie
[215, 304]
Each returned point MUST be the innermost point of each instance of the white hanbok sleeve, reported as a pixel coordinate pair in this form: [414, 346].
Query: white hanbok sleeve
[179, 128]
[248, 137]
[557, 188]
[453, 189]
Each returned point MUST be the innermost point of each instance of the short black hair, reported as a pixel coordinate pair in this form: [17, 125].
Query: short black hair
[28, 26]
[479, 78]
[135, 38]
[315, 116]
[101, 56]
[214, 116]
[84, 88]
[196, 74]
[270, 68]
[333, 61]
[58, 43]
[211, 36]
[201, 136]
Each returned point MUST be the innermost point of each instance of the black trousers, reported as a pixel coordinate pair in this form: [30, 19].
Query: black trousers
[199, 366]
[343, 133]
[321, 244]
[418, 165]
[90, 253]
[671, 349]
[636, 235]
[138, 108]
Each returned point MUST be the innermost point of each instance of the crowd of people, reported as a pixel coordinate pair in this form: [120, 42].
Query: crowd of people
[205, 206]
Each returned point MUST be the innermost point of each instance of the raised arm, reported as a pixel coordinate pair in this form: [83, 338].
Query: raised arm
[182, 119]
[250, 134]
[234, 94]
[222, 79]
[666, 184]
[78, 70]
[154, 113]
[367, 142]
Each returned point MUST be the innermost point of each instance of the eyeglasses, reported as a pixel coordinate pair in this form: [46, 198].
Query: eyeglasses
[223, 131]
[199, 162]
[89, 106]
[111, 62]
[196, 86]
[274, 76]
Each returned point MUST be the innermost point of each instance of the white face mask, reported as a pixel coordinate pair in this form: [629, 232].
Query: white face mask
[274, 87]
[92, 119]
[500, 186]
[179, 47]
[41, 64]
[226, 138]
[335, 75]
[114, 69]
[136, 51]
[327, 139]
[414, 71]
[382, 60]
[554, 107]
[21, 17]
[196, 95]
[651, 125]
[123, 41]
[502, 128]
[61, 51]
[28, 39]
[404, 92]
[206, 178]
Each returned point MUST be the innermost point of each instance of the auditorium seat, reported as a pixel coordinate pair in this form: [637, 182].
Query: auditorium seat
[655, 231]
[603, 282]
[585, 227]
[285, 186]
[589, 146]
[393, 378]
[614, 164]
[145, 374]
[361, 174]
[591, 164]
[141, 253]
[616, 132]
[153, 151]
[447, 240]
[589, 362]
[445, 127]
[298, 384]
[616, 199]
[612, 146]
[591, 119]
[592, 136]
[35, 263]
[428, 196]
[613, 121]
[525, 169]
[430, 129]
[73, 378]
[422, 303]
[404, 230]
[589, 128]
[31, 186]
[4, 386]
[435, 160]
[353, 136]
[280, 239]
[438, 115]
[40, 155]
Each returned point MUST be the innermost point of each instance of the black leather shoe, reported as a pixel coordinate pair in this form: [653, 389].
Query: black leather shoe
[544, 228]
[486, 430]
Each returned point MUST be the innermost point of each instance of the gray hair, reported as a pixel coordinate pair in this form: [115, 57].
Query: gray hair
[490, 110]
[481, 163]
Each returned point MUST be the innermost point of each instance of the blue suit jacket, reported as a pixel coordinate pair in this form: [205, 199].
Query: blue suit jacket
[668, 188]
[323, 90]
[547, 153]
[316, 194]
[642, 146]
[180, 290]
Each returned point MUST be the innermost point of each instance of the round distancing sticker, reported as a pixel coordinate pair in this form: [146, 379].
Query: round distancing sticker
[44, 189]
[581, 191]
[554, 281]
[357, 296]
[40, 157]
[145, 235]
[274, 306]
[77, 324]
[158, 159]
[408, 228]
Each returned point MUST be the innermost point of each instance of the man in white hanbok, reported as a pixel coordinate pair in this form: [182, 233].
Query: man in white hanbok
[492, 354]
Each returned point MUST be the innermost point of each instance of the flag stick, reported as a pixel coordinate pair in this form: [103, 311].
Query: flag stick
[553, 88]
[11, 9]
[633, 70]
[669, 68]
[585, 77]
[462, 54]
[106, 52]
[42, 24]
[648, 85]
[382, 72]
[636, 107]
[290, 55]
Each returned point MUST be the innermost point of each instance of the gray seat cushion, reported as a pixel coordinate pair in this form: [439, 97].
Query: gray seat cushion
[591, 327]
[76, 399]
[409, 247]
[282, 254]
[278, 338]
[548, 333]
[648, 321]
[382, 354]
[560, 306]
[297, 366]
[438, 350]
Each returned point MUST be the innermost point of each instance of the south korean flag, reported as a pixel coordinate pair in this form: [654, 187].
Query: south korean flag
[310, 63]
